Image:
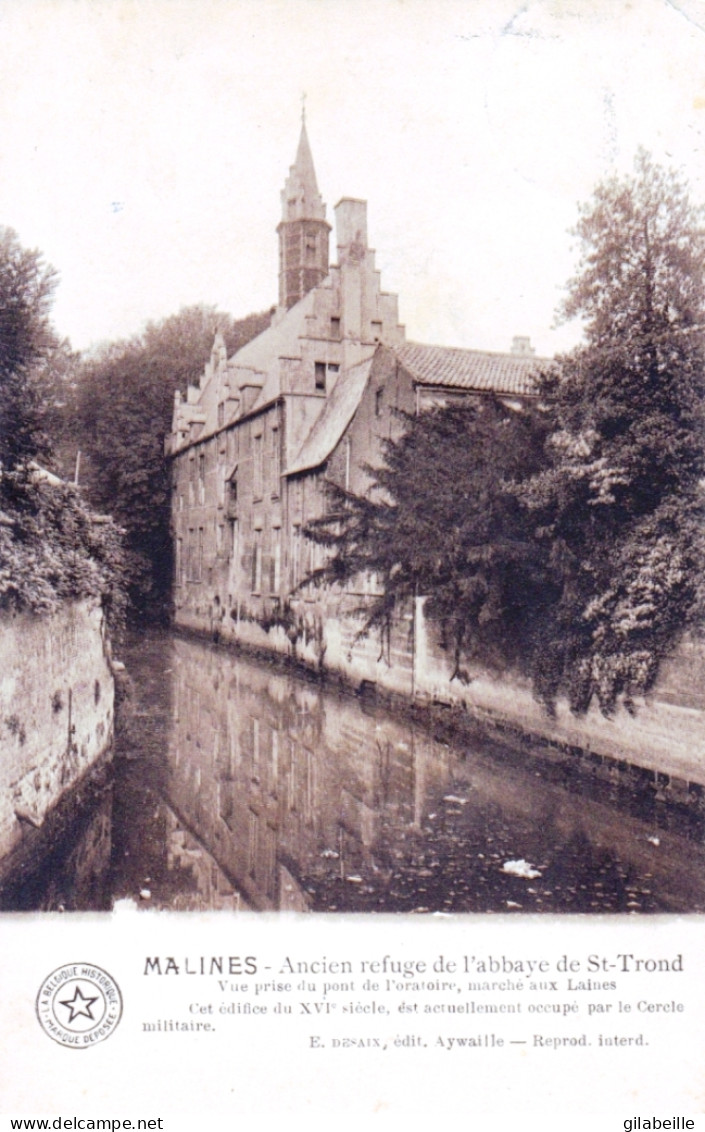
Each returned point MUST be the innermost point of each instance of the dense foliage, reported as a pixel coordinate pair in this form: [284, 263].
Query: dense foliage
[619, 507]
[27, 342]
[124, 398]
[570, 537]
[444, 522]
[52, 548]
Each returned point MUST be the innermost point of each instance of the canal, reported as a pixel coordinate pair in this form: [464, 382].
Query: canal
[240, 785]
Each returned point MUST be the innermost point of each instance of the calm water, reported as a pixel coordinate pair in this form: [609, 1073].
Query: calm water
[236, 785]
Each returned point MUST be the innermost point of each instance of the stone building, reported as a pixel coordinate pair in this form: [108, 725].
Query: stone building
[310, 398]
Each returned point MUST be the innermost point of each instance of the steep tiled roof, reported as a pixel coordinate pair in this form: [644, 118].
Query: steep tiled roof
[469, 369]
[335, 418]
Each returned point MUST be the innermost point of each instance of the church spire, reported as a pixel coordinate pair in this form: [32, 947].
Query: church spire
[301, 199]
[303, 230]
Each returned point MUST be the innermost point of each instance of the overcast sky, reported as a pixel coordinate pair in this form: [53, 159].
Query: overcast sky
[143, 145]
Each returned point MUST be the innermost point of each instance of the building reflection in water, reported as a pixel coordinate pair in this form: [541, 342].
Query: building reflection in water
[308, 800]
[237, 785]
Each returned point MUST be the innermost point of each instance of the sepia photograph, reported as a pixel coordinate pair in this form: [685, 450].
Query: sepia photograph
[352, 455]
[352, 604]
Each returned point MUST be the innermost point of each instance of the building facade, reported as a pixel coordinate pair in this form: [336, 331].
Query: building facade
[311, 398]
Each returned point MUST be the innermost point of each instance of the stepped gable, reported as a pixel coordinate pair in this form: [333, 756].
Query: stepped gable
[507, 374]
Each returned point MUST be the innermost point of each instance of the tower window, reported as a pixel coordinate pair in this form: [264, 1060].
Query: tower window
[335, 327]
[320, 374]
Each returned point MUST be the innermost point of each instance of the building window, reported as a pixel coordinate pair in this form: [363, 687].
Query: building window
[257, 563]
[199, 556]
[335, 327]
[257, 467]
[219, 539]
[220, 475]
[295, 555]
[234, 547]
[333, 367]
[320, 373]
[231, 498]
[378, 402]
[276, 563]
[221, 414]
[232, 445]
[275, 461]
[376, 331]
[194, 554]
[202, 478]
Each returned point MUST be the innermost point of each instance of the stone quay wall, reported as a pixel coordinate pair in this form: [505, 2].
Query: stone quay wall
[56, 711]
[663, 739]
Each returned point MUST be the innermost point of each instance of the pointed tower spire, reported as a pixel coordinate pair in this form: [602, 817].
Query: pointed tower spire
[301, 199]
[303, 230]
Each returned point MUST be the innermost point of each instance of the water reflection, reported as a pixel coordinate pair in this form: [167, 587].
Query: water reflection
[237, 785]
[267, 792]
[65, 866]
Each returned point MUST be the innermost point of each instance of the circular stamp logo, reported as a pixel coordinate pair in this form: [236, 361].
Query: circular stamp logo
[78, 1005]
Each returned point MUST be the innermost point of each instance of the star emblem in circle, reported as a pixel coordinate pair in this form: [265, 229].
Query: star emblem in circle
[79, 1006]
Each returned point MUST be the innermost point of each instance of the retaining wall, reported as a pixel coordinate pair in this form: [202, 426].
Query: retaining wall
[665, 735]
[56, 711]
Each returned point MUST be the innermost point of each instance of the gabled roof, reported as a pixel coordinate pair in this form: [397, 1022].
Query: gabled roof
[335, 418]
[283, 333]
[509, 374]
[280, 339]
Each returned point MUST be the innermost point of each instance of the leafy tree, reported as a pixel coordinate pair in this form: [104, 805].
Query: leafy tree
[569, 538]
[619, 508]
[26, 340]
[123, 408]
[444, 521]
[52, 548]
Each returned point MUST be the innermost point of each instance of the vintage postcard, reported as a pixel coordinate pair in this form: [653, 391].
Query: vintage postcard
[352, 450]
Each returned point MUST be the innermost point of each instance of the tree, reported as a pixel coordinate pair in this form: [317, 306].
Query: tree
[619, 508]
[26, 340]
[52, 548]
[443, 521]
[568, 538]
[123, 408]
